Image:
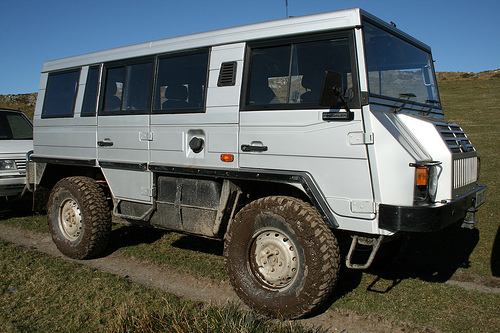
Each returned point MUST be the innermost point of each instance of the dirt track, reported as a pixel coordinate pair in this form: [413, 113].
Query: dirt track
[200, 289]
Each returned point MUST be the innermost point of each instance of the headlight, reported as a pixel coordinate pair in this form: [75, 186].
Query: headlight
[426, 181]
[433, 181]
[8, 165]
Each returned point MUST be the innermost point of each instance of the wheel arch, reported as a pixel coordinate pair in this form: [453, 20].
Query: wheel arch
[48, 174]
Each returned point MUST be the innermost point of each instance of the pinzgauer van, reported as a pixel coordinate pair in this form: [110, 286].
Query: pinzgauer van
[279, 138]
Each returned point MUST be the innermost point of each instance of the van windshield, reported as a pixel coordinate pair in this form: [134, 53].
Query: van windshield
[398, 69]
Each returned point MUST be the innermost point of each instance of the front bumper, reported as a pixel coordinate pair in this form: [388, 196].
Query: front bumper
[12, 185]
[430, 218]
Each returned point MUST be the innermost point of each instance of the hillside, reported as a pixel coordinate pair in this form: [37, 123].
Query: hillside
[462, 76]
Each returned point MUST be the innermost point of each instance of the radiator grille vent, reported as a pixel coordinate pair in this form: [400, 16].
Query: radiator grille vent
[464, 172]
[21, 164]
[455, 138]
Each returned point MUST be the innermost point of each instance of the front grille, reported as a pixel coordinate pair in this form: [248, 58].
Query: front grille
[464, 172]
[465, 160]
[21, 164]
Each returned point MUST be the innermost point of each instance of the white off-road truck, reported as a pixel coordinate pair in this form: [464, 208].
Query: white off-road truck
[279, 138]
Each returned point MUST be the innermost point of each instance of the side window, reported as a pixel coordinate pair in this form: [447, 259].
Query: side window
[128, 88]
[91, 89]
[60, 94]
[292, 74]
[181, 83]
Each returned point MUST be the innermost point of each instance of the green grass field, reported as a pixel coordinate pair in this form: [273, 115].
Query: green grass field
[39, 292]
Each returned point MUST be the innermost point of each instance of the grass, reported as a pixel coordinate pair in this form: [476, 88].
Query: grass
[440, 306]
[474, 104]
[39, 293]
[408, 290]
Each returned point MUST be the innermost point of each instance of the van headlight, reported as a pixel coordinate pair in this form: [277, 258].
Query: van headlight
[433, 181]
[8, 165]
[426, 181]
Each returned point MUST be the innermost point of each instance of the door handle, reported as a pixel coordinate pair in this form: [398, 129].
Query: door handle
[253, 148]
[105, 143]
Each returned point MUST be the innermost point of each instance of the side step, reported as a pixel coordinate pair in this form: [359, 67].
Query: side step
[373, 242]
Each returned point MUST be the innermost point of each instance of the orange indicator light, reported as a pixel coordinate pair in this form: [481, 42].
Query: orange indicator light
[227, 157]
[421, 176]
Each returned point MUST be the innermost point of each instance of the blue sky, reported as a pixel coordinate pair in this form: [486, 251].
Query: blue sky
[464, 35]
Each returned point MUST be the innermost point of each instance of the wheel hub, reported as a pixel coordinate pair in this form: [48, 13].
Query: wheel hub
[274, 258]
[70, 219]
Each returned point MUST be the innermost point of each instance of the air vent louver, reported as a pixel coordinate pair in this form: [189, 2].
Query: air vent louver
[455, 138]
[227, 74]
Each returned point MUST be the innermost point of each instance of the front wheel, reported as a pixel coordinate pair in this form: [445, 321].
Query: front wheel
[281, 257]
[79, 217]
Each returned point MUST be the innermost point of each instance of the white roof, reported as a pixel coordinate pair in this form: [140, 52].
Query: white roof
[341, 19]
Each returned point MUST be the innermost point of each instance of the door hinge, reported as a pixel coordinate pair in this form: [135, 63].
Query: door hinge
[361, 138]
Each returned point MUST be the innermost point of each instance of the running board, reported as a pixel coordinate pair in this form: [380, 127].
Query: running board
[375, 243]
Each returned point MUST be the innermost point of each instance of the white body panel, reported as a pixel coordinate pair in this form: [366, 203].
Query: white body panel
[130, 144]
[218, 126]
[288, 136]
[73, 137]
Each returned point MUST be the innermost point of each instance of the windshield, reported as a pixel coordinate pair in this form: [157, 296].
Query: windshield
[398, 69]
[14, 127]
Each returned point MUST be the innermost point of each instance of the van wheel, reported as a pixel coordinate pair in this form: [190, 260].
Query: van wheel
[281, 257]
[79, 217]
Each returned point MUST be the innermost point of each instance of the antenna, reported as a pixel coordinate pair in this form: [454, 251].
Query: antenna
[286, 5]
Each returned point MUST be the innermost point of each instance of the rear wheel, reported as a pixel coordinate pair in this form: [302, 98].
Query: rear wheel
[79, 217]
[281, 257]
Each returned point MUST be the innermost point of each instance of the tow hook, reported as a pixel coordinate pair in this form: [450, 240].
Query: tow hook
[470, 219]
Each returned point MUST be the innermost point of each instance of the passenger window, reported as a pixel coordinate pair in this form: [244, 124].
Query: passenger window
[293, 74]
[91, 89]
[60, 94]
[181, 83]
[128, 88]
[114, 89]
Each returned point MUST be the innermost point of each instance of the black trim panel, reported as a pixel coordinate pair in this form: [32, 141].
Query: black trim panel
[65, 161]
[124, 166]
[307, 182]
[429, 218]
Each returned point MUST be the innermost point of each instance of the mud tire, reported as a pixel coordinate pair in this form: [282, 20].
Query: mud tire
[79, 217]
[307, 271]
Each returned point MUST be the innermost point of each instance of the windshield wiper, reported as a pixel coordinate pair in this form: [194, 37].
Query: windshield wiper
[408, 96]
[432, 102]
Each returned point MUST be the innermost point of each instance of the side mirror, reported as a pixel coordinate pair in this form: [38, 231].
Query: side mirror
[330, 94]
[331, 89]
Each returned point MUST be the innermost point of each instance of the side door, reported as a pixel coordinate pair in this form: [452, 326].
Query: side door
[123, 134]
[282, 125]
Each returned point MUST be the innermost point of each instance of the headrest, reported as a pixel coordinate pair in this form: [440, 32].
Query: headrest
[176, 91]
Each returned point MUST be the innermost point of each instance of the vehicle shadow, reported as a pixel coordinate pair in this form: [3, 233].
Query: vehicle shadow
[433, 257]
[21, 207]
[495, 255]
[200, 244]
[131, 235]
